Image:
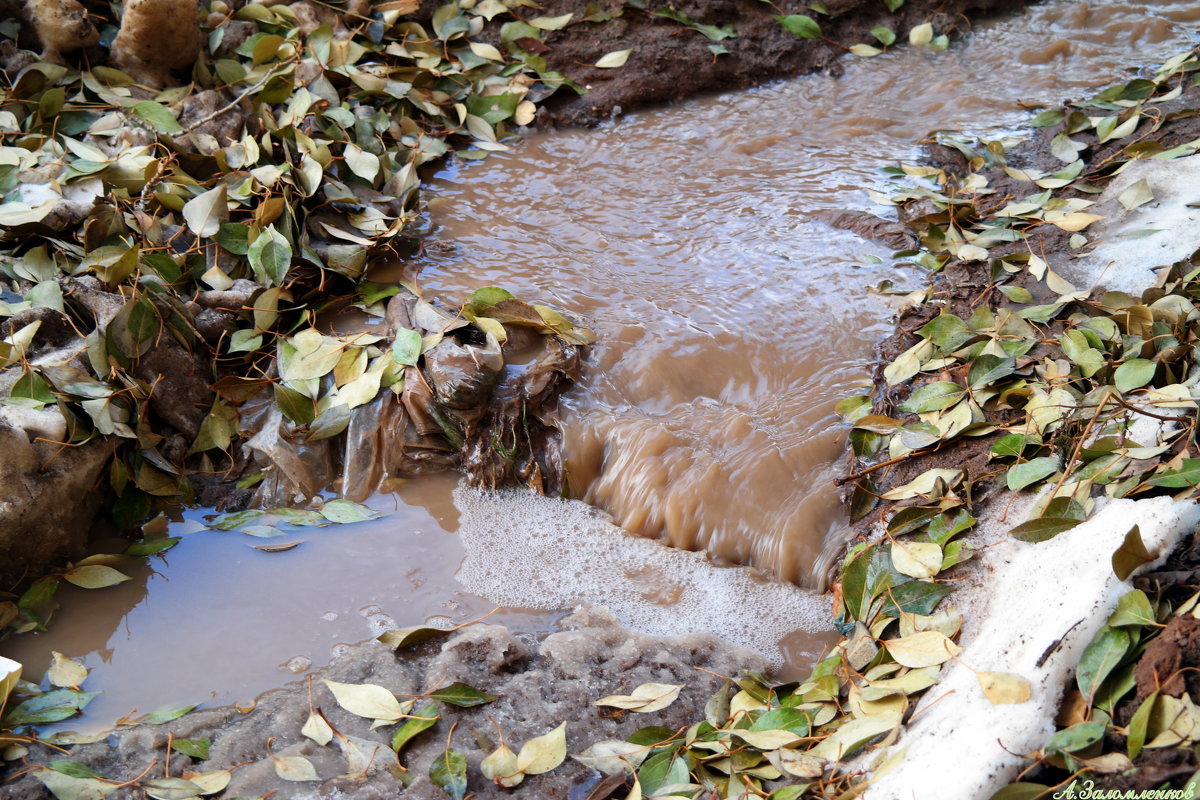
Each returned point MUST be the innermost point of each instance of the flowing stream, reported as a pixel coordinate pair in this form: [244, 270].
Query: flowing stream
[730, 323]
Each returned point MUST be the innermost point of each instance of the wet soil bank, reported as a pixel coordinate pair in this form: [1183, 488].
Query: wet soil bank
[670, 62]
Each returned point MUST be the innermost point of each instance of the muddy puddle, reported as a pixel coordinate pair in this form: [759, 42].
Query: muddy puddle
[730, 323]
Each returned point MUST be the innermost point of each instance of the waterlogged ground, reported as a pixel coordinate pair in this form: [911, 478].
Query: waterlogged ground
[730, 324]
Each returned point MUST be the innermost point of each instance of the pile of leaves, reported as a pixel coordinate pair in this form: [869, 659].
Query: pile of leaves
[193, 237]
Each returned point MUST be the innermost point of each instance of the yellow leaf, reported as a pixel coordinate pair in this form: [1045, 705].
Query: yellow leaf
[543, 753]
[924, 649]
[317, 729]
[366, 700]
[1004, 688]
[1076, 221]
[209, 782]
[615, 59]
[65, 672]
[917, 559]
[921, 34]
[501, 767]
[295, 768]
[645, 698]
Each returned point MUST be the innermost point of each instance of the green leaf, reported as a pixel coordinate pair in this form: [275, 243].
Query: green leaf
[270, 256]
[347, 511]
[1021, 475]
[1075, 738]
[406, 347]
[1042, 528]
[914, 597]
[1053, 116]
[1017, 294]
[948, 525]
[49, 707]
[1100, 658]
[933, 397]
[164, 714]
[449, 771]
[1133, 374]
[1010, 445]
[196, 748]
[233, 237]
[1139, 723]
[150, 547]
[158, 116]
[295, 406]
[422, 719]
[886, 36]
[462, 695]
[233, 520]
[1187, 475]
[1133, 609]
[73, 768]
[329, 423]
[907, 520]
[783, 719]
[37, 603]
[801, 25]
[406, 637]
[988, 369]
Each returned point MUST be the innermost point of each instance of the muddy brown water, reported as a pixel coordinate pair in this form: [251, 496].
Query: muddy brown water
[730, 323]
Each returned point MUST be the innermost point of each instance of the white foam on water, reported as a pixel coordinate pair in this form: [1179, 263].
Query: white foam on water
[529, 551]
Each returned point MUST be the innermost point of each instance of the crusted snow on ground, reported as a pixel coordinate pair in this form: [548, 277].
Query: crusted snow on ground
[1133, 243]
[1028, 600]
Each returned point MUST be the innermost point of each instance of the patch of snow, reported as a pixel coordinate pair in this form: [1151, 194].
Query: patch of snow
[1044, 603]
[1132, 244]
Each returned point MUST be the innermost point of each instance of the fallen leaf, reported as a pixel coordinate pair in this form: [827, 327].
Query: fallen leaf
[543, 753]
[295, 768]
[366, 700]
[615, 59]
[1003, 688]
[924, 649]
[646, 698]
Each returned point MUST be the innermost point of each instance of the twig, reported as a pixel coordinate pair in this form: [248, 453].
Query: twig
[232, 103]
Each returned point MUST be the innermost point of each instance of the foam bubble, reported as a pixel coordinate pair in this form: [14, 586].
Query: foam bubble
[529, 551]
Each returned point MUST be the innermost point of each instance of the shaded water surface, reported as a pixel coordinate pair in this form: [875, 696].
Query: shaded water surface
[730, 323]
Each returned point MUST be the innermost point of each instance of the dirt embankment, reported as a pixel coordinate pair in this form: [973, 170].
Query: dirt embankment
[671, 61]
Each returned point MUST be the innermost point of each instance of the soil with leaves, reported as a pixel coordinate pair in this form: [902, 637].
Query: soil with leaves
[1004, 377]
